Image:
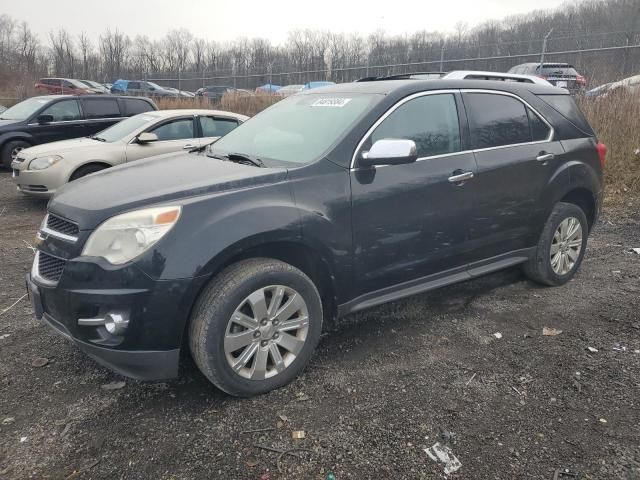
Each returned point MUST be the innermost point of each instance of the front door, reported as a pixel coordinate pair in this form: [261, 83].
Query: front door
[411, 221]
[67, 122]
[174, 135]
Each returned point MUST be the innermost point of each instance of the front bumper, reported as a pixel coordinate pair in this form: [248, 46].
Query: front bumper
[36, 183]
[150, 347]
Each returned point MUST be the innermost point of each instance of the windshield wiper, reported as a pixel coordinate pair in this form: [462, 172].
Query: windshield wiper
[202, 148]
[94, 137]
[244, 158]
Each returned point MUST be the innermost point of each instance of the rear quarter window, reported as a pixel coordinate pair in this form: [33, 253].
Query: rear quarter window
[566, 106]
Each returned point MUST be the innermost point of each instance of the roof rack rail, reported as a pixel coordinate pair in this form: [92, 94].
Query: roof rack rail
[405, 76]
[499, 76]
[461, 75]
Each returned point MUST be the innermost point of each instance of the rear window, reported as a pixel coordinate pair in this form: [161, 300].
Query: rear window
[134, 106]
[550, 70]
[101, 108]
[566, 106]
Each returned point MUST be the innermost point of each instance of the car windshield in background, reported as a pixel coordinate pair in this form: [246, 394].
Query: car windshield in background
[126, 127]
[298, 129]
[24, 110]
[155, 85]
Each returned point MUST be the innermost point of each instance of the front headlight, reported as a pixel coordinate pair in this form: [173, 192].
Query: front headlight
[124, 237]
[44, 162]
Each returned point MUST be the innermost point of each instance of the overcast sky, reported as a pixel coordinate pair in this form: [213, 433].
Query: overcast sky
[223, 20]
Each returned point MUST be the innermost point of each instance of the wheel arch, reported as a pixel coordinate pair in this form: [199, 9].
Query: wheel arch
[88, 163]
[584, 199]
[309, 260]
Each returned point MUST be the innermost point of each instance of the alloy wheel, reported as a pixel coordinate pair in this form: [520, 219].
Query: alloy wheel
[566, 246]
[266, 332]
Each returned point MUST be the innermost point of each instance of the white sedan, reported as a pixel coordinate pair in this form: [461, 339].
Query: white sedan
[39, 171]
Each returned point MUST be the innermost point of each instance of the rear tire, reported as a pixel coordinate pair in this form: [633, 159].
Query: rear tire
[86, 170]
[561, 246]
[11, 150]
[274, 312]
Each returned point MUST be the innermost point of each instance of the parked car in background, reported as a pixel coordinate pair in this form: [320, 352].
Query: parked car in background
[139, 87]
[215, 92]
[180, 93]
[59, 117]
[268, 88]
[310, 85]
[96, 86]
[290, 90]
[40, 171]
[327, 203]
[560, 75]
[63, 86]
[599, 91]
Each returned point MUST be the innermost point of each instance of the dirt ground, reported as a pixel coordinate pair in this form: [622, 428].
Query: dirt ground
[384, 385]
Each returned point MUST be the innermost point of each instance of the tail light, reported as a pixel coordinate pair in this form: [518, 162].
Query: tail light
[205, 94]
[580, 80]
[544, 77]
[601, 148]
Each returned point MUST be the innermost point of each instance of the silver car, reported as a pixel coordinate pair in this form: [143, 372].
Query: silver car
[39, 171]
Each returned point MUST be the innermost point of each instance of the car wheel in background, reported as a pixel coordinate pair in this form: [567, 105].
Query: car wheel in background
[11, 150]
[86, 170]
[255, 326]
[561, 246]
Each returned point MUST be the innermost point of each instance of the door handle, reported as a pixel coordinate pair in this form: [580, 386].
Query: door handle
[545, 157]
[188, 147]
[460, 177]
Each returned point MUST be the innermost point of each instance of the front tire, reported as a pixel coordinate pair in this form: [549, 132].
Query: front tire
[86, 170]
[11, 150]
[255, 326]
[561, 246]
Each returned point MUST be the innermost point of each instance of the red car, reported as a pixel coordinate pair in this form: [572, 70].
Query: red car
[63, 86]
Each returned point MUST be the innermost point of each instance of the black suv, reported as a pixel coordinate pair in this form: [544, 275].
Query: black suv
[329, 202]
[560, 75]
[60, 117]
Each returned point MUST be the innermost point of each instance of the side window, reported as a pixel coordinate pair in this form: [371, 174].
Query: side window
[67, 84]
[178, 129]
[99, 108]
[134, 106]
[133, 86]
[496, 120]
[216, 127]
[63, 111]
[431, 121]
[539, 130]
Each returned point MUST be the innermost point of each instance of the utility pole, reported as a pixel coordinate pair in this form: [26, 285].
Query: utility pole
[544, 49]
[442, 58]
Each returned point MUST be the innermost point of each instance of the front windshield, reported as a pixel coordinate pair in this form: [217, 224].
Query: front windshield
[126, 127]
[24, 109]
[298, 129]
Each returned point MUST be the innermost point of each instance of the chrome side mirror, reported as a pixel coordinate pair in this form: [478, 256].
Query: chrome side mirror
[389, 151]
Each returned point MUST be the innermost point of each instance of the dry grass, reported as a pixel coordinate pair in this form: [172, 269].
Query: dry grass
[616, 121]
[244, 104]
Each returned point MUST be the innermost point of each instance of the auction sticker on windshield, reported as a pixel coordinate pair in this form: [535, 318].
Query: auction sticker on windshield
[331, 102]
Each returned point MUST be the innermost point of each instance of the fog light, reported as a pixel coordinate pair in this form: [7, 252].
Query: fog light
[115, 323]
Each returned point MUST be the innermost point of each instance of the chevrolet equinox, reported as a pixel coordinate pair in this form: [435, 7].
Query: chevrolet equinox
[329, 202]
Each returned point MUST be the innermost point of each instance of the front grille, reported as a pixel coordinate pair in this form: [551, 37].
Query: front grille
[50, 268]
[61, 225]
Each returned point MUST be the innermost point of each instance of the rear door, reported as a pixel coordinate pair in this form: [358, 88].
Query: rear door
[67, 122]
[411, 221]
[517, 158]
[174, 135]
[99, 113]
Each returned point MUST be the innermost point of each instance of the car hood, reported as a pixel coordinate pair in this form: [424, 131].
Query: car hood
[166, 178]
[83, 145]
[8, 123]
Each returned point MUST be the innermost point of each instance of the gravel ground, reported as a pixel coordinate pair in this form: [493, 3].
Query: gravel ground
[384, 385]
